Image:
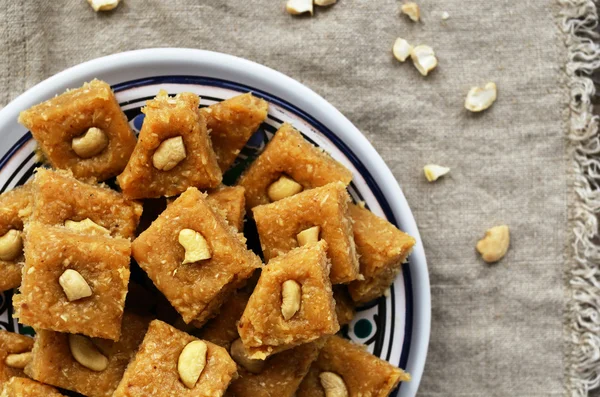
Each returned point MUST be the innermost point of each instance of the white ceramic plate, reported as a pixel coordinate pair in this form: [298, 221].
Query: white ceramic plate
[396, 327]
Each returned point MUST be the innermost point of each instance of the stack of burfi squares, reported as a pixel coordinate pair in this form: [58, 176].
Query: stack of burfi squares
[206, 316]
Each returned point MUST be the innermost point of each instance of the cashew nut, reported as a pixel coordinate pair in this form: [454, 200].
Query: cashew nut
[195, 245]
[478, 99]
[74, 285]
[19, 360]
[434, 171]
[11, 245]
[92, 142]
[424, 59]
[291, 293]
[86, 353]
[401, 49]
[333, 384]
[86, 226]
[296, 7]
[104, 5]
[282, 188]
[494, 245]
[169, 153]
[308, 236]
[240, 356]
[192, 361]
[412, 10]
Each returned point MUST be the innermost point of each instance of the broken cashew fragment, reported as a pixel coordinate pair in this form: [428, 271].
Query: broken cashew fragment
[412, 10]
[296, 7]
[479, 99]
[19, 360]
[434, 171]
[333, 384]
[169, 153]
[11, 245]
[104, 5]
[308, 236]
[291, 293]
[240, 356]
[92, 142]
[424, 59]
[445, 15]
[86, 226]
[401, 49]
[74, 285]
[195, 245]
[283, 187]
[325, 2]
[192, 361]
[86, 353]
[494, 245]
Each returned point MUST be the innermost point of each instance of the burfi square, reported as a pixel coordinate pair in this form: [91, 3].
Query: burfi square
[15, 208]
[103, 262]
[17, 346]
[231, 123]
[154, 370]
[222, 330]
[280, 222]
[382, 249]
[23, 387]
[263, 328]
[363, 373]
[291, 155]
[173, 151]
[59, 197]
[57, 122]
[196, 290]
[53, 361]
[281, 375]
[344, 306]
[232, 202]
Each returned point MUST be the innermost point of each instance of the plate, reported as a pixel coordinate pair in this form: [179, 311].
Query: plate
[395, 327]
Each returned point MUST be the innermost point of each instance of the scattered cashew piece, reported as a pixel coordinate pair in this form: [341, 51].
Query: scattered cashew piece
[445, 15]
[434, 171]
[401, 49]
[325, 2]
[191, 363]
[424, 59]
[412, 10]
[195, 245]
[479, 99]
[240, 356]
[74, 285]
[86, 353]
[104, 5]
[11, 245]
[283, 187]
[89, 144]
[296, 7]
[19, 360]
[86, 226]
[333, 384]
[495, 244]
[291, 293]
[169, 153]
[308, 236]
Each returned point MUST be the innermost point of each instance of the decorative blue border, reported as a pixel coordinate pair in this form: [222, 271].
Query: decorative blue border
[198, 80]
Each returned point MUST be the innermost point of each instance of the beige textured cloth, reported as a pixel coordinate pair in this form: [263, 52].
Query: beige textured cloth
[497, 330]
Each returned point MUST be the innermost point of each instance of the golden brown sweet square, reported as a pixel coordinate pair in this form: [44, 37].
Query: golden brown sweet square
[103, 262]
[154, 370]
[263, 328]
[382, 249]
[53, 361]
[231, 200]
[56, 122]
[290, 154]
[222, 330]
[231, 123]
[15, 208]
[280, 222]
[23, 387]
[12, 343]
[60, 197]
[344, 307]
[197, 289]
[281, 375]
[363, 373]
[173, 151]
